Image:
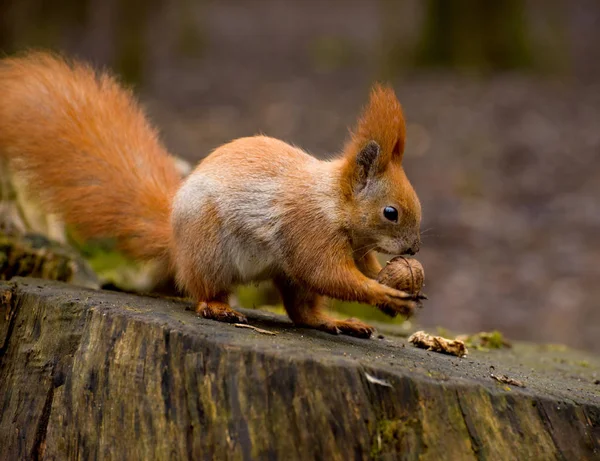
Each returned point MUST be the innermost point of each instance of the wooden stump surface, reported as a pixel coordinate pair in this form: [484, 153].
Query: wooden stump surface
[88, 374]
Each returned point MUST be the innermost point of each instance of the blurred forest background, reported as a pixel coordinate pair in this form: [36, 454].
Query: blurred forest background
[502, 101]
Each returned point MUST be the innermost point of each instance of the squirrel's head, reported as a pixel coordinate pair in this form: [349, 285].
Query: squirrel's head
[385, 212]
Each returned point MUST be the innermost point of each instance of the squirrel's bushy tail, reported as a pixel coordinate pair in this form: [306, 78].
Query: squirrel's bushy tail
[87, 151]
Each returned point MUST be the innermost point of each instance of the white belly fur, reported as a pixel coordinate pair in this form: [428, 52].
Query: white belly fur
[249, 225]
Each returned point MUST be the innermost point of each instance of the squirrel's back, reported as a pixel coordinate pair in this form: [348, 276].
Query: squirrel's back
[254, 193]
[88, 150]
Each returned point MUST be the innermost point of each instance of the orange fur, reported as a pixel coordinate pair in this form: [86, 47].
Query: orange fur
[382, 121]
[254, 209]
[88, 150]
[306, 308]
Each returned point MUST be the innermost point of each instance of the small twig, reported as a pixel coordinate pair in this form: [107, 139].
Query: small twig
[258, 330]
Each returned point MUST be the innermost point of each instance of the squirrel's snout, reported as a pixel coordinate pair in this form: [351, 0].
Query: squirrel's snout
[414, 249]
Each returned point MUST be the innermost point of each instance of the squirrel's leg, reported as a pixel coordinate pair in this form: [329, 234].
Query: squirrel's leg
[216, 306]
[340, 278]
[369, 265]
[307, 309]
[212, 297]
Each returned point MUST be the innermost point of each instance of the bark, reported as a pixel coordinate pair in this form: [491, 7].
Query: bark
[88, 374]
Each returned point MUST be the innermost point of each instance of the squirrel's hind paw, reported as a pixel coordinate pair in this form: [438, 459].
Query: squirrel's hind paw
[349, 327]
[222, 312]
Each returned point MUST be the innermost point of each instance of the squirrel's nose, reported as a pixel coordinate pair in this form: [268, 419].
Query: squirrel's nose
[414, 249]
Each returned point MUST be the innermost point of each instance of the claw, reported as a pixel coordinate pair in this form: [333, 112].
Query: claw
[239, 319]
[404, 295]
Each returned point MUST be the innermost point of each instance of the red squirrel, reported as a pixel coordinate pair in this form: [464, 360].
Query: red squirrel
[254, 209]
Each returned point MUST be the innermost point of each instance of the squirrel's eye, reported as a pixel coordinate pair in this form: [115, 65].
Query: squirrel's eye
[390, 213]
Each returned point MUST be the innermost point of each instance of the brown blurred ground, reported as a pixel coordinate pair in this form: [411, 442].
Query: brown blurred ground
[507, 164]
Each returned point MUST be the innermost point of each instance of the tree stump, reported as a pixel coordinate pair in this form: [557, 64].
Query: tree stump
[88, 374]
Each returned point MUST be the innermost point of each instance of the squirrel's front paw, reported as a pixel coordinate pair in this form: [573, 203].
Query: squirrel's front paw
[394, 302]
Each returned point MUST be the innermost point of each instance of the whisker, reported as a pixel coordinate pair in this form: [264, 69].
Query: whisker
[363, 247]
[372, 247]
[426, 230]
[369, 249]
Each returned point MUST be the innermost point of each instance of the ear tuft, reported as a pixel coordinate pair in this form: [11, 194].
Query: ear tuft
[382, 121]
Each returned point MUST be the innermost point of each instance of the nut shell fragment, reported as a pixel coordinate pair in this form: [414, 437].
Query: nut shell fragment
[438, 344]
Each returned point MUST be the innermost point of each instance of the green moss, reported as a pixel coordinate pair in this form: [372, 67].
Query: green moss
[487, 340]
[364, 311]
[493, 340]
[111, 265]
[264, 294]
[108, 262]
[389, 435]
[255, 295]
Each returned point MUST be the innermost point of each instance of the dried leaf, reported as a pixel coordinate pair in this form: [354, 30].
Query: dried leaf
[506, 380]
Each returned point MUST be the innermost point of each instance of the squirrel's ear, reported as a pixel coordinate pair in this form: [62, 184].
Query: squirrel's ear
[368, 163]
[377, 139]
[382, 121]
